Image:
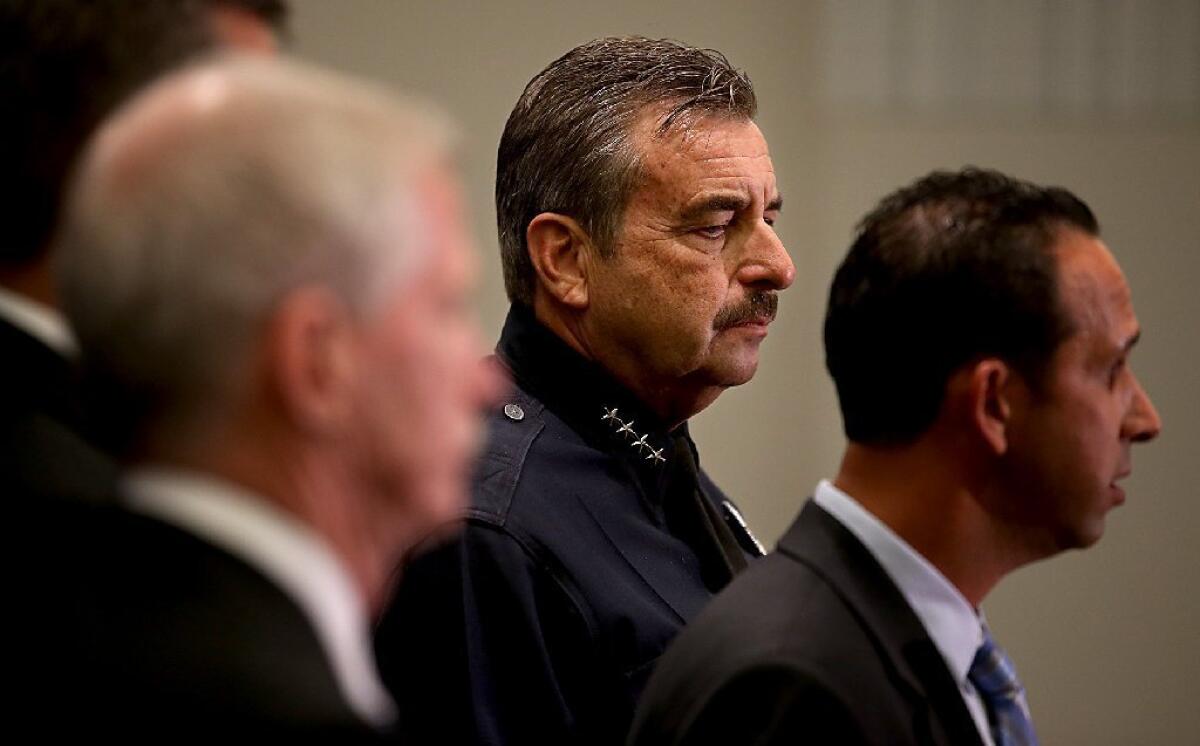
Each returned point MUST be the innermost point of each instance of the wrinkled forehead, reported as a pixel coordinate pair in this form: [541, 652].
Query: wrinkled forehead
[700, 146]
[695, 132]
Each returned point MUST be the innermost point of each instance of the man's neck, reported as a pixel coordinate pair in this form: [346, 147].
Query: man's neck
[314, 491]
[922, 496]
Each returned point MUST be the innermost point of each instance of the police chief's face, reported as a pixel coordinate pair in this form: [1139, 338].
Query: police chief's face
[1074, 441]
[687, 298]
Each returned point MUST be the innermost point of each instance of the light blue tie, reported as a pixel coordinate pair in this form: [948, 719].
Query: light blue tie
[994, 676]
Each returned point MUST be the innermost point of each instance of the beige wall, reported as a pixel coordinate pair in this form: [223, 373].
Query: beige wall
[1107, 640]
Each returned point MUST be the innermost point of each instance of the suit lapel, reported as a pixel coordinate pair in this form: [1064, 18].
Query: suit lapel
[919, 672]
[946, 716]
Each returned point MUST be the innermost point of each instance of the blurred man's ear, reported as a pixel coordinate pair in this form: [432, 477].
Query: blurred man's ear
[310, 363]
[990, 392]
[561, 253]
[242, 30]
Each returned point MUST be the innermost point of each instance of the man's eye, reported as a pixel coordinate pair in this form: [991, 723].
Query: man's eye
[1116, 371]
[712, 231]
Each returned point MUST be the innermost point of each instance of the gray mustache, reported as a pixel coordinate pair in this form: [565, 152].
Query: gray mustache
[758, 306]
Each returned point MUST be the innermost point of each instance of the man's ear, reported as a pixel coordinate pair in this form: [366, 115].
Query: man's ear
[310, 361]
[561, 253]
[990, 402]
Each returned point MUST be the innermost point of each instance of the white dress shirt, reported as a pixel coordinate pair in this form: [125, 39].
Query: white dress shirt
[289, 554]
[41, 322]
[953, 625]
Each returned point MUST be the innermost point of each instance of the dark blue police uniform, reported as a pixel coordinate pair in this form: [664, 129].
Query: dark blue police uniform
[540, 621]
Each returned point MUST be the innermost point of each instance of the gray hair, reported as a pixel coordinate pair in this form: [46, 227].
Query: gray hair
[567, 145]
[209, 197]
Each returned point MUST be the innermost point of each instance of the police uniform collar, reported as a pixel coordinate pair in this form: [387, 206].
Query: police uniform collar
[581, 392]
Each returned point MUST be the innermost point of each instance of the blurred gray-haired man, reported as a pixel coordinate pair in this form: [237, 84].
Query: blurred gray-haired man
[267, 270]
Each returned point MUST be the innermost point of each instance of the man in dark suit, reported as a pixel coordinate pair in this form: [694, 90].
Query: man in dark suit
[635, 200]
[266, 266]
[65, 66]
[978, 333]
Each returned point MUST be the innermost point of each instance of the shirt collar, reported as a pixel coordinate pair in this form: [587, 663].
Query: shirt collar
[39, 321]
[953, 625]
[288, 553]
[581, 392]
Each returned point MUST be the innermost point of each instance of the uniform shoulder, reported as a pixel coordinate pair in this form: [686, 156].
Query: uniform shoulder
[533, 463]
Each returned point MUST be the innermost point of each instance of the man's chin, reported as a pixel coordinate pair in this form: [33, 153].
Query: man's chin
[732, 359]
[1082, 537]
[739, 370]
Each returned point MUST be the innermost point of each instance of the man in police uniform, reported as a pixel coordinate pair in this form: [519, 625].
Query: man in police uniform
[635, 200]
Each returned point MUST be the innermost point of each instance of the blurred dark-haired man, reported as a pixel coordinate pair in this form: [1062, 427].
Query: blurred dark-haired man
[636, 199]
[979, 334]
[64, 66]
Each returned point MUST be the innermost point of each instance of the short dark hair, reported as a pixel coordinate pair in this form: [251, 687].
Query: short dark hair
[566, 146]
[64, 66]
[957, 266]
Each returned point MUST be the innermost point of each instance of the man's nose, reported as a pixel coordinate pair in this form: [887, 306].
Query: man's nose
[765, 263]
[1142, 423]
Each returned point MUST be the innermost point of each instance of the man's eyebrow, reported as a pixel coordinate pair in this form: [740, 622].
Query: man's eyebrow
[723, 203]
[715, 203]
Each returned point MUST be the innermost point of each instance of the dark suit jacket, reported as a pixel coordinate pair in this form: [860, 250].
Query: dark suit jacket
[44, 451]
[540, 622]
[166, 637]
[813, 644]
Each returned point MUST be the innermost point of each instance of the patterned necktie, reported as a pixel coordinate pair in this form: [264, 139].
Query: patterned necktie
[994, 676]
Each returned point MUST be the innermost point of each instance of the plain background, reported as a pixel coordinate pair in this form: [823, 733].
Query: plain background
[856, 99]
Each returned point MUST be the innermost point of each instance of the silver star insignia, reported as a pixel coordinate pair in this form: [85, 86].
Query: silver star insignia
[609, 414]
[655, 455]
[626, 427]
[641, 443]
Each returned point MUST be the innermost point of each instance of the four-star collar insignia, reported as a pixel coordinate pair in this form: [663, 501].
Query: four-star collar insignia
[653, 455]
